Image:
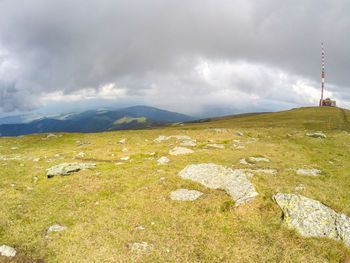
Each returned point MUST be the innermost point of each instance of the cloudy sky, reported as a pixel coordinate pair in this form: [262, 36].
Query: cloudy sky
[191, 56]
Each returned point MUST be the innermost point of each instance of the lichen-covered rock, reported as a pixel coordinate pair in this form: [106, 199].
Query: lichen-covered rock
[313, 219]
[317, 135]
[7, 251]
[180, 151]
[185, 195]
[215, 176]
[311, 172]
[68, 168]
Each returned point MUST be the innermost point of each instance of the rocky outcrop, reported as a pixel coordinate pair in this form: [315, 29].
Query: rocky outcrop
[216, 176]
[68, 168]
[311, 218]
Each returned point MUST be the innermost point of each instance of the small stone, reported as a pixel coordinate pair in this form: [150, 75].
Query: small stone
[122, 141]
[56, 228]
[150, 153]
[189, 143]
[317, 135]
[50, 135]
[258, 159]
[300, 187]
[36, 159]
[141, 247]
[140, 228]
[162, 178]
[244, 161]
[239, 133]
[14, 148]
[185, 195]
[22, 164]
[81, 154]
[311, 172]
[7, 251]
[12, 185]
[124, 150]
[125, 158]
[163, 160]
[180, 151]
[35, 179]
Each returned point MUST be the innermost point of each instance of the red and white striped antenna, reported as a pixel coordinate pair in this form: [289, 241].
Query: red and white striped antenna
[321, 101]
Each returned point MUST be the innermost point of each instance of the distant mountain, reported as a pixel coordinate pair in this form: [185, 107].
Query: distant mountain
[137, 117]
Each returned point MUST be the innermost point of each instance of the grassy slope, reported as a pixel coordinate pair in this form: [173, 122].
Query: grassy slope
[132, 194]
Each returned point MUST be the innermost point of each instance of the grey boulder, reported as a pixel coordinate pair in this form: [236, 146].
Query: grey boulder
[68, 168]
[215, 176]
[7, 251]
[311, 218]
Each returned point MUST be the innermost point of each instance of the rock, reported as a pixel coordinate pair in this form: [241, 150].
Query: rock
[81, 154]
[180, 150]
[311, 218]
[300, 187]
[124, 150]
[150, 153]
[317, 135]
[178, 137]
[214, 145]
[239, 133]
[160, 138]
[311, 172]
[56, 228]
[162, 178]
[141, 247]
[258, 159]
[7, 251]
[50, 135]
[163, 160]
[140, 228]
[84, 143]
[218, 130]
[125, 158]
[189, 143]
[215, 176]
[122, 141]
[244, 161]
[14, 148]
[35, 179]
[68, 168]
[185, 195]
[238, 146]
[36, 159]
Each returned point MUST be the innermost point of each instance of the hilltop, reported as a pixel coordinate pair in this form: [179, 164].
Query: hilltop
[127, 207]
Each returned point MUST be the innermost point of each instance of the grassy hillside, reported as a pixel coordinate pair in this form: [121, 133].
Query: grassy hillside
[103, 208]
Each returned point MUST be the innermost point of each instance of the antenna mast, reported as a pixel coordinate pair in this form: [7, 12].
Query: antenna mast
[321, 101]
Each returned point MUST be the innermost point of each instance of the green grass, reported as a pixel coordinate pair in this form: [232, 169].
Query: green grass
[128, 120]
[102, 207]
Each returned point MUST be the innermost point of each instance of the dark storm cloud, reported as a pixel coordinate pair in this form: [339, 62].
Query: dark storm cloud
[48, 46]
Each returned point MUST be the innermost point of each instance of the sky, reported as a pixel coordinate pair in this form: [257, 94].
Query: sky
[199, 57]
